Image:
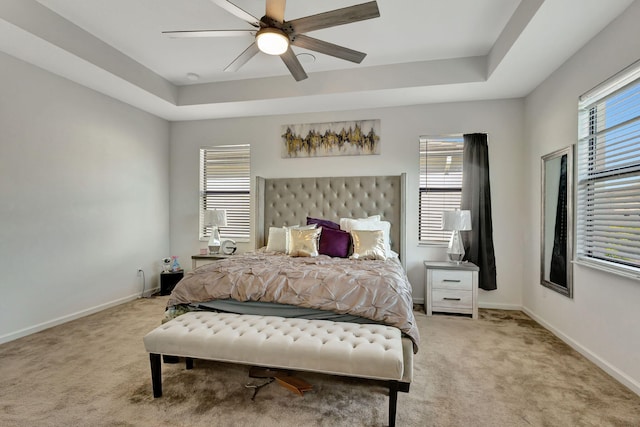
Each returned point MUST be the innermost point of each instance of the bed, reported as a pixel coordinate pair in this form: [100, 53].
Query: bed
[367, 285]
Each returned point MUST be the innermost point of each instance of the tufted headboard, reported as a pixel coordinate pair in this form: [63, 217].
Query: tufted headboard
[288, 201]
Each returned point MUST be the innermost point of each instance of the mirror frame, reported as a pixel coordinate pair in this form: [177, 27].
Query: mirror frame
[545, 162]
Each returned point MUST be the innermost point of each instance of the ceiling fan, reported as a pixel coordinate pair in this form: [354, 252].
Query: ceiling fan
[274, 36]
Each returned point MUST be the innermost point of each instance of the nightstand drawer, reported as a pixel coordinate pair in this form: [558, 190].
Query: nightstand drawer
[448, 298]
[452, 279]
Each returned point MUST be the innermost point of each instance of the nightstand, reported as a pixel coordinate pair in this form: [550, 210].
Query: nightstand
[209, 257]
[451, 288]
[169, 280]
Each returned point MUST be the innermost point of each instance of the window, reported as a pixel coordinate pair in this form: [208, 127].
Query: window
[225, 183]
[440, 185]
[608, 189]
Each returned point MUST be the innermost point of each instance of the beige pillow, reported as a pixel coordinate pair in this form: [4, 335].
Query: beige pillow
[368, 244]
[277, 240]
[384, 226]
[303, 242]
[287, 233]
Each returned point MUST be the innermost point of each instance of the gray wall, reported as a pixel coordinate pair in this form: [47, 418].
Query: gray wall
[602, 320]
[84, 199]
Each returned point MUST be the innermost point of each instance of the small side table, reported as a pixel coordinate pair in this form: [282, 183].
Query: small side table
[169, 280]
[451, 288]
[209, 257]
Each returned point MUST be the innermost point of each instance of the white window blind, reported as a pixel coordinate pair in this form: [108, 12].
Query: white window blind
[225, 183]
[440, 184]
[608, 189]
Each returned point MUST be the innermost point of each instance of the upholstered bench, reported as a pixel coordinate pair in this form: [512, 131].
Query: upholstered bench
[369, 351]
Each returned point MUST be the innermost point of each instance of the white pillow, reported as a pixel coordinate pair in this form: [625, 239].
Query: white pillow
[277, 240]
[345, 223]
[384, 226]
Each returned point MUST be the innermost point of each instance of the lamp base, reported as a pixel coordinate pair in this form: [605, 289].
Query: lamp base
[455, 251]
[214, 241]
[455, 258]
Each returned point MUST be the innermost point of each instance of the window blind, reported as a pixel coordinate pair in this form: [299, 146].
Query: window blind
[608, 189]
[440, 184]
[225, 183]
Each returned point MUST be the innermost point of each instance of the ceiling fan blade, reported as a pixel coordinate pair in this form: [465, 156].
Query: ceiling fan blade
[294, 66]
[275, 9]
[240, 13]
[249, 53]
[327, 48]
[209, 33]
[347, 15]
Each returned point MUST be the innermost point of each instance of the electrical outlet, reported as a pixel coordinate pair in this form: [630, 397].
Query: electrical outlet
[140, 271]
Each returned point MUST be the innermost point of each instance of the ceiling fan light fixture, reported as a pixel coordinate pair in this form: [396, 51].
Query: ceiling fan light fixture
[272, 41]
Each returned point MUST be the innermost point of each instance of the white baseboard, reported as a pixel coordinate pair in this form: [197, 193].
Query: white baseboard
[73, 316]
[495, 306]
[597, 360]
[498, 306]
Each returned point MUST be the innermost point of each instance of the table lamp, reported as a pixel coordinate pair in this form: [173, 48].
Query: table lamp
[456, 221]
[215, 218]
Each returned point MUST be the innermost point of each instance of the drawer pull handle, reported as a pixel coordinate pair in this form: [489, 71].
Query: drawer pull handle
[451, 280]
[451, 299]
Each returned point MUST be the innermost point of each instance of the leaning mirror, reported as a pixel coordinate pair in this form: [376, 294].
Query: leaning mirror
[556, 240]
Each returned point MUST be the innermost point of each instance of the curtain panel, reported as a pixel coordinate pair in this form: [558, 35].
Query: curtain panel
[476, 197]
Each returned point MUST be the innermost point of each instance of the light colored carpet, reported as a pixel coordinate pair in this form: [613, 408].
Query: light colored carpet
[501, 370]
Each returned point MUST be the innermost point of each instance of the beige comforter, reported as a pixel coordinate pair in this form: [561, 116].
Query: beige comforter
[377, 290]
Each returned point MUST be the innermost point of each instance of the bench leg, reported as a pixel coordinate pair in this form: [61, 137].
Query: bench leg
[156, 374]
[393, 402]
[188, 362]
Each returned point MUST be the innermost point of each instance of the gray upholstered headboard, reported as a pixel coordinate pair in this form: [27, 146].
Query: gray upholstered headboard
[288, 201]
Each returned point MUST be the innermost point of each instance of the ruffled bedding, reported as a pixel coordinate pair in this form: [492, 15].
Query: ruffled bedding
[372, 289]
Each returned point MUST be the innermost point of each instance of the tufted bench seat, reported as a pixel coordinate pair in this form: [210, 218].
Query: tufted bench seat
[370, 351]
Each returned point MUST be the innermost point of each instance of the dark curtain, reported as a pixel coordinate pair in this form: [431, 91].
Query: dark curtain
[558, 272]
[476, 197]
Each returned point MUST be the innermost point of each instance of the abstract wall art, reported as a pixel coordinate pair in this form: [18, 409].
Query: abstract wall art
[351, 138]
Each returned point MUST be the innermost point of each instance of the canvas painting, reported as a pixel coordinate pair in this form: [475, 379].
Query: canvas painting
[352, 138]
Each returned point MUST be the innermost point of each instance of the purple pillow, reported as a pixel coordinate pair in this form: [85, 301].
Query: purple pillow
[324, 223]
[335, 243]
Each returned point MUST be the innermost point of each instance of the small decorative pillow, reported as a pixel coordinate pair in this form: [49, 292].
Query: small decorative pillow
[368, 244]
[294, 227]
[277, 240]
[334, 243]
[384, 226]
[303, 242]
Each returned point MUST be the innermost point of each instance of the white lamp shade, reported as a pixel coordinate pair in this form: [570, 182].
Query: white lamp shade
[456, 220]
[216, 217]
